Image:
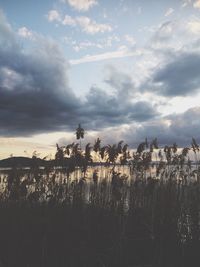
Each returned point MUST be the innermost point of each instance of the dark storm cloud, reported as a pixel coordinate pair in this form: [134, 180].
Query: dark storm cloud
[179, 77]
[175, 45]
[35, 96]
[34, 91]
[110, 110]
[180, 128]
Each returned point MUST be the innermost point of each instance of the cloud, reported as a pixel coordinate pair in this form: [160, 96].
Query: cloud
[175, 51]
[26, 33]
[68, 20]
[54, 15]
[85, 23]
[169, 12]
[91, 26]
[36, 97]
[176, 34]
[117, 105]
[121, 82]
[7, 39]
[85, 44]
[121, 52]
[165, 34]
[103, 110]
[197, 4]
[194, 26]
[186, 3]
[130, 39]
[177, 77]
[180, 128]
[82, 5]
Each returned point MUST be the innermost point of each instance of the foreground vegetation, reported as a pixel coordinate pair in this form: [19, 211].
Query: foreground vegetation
[75, 217]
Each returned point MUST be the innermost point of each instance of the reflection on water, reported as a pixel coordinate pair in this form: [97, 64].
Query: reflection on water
[61, 178]
[102, 171]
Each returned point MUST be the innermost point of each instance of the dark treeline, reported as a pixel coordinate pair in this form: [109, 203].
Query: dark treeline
[152, 219]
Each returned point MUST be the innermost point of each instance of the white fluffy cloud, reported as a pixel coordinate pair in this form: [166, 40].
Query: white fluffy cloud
[176, 34]
[24, 32]
[53, 15]
[85, 44]
[68, 20]
[86, 24]
[194, 26]
[91, 26]
[82, 5]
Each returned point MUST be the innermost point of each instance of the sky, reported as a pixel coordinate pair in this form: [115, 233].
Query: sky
[124, 69]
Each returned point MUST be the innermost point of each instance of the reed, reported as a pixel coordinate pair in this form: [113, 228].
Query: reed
[68, 216]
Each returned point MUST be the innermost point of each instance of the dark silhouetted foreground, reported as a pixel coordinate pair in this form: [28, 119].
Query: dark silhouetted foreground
[152, 218]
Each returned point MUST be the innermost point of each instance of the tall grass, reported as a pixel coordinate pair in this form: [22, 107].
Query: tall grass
[69, 217]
